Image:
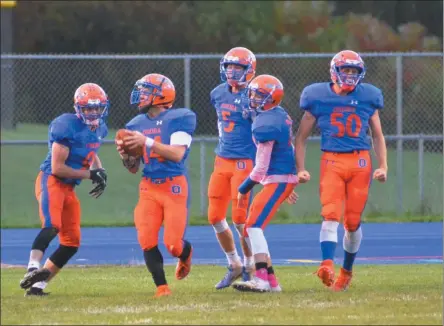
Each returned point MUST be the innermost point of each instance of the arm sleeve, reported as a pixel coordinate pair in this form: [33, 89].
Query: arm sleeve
[181, 138]
[263, 156]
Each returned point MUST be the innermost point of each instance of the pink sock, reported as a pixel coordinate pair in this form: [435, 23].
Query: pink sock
[262, 274]
[273, 280]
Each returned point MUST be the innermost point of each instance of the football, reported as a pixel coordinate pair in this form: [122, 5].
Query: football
[135, 152]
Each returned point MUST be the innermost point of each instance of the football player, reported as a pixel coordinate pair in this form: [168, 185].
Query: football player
[234, 159]
[344, 110]
[74, 140]
[165, 134]
[274, 169]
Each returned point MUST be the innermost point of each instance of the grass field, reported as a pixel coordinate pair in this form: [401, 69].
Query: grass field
[20, 164]
[384, 295]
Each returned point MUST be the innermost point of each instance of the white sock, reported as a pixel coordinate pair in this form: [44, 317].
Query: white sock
[233, 258]
[33, 264]
[40, 285]
[248, 262]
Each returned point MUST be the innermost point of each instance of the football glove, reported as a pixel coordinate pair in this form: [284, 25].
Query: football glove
[99, 177]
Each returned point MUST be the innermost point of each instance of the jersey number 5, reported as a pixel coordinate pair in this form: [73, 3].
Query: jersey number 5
[348, 128]
[230, 127]
[146, 157]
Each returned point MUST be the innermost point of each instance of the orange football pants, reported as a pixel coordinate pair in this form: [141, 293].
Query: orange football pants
[59, 207]
[266, 203]
[162, 201]
[344, 185]
[227, 176]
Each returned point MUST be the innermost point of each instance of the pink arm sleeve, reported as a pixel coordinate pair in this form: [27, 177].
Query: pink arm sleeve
[263, 156]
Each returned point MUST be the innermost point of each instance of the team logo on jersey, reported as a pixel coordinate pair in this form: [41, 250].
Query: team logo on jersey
[362, 162]
[241, 165]
[158, 122]
[175, 189]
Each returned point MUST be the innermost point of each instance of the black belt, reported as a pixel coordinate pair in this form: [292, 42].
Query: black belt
[158, 181]
[356, 151]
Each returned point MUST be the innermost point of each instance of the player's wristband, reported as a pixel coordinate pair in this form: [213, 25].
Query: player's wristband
[246, 186]
[149, 142]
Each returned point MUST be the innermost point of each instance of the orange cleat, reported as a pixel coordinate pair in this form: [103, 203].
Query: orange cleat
[326, 272]
[183, 267]
[162, 290]
[343, 281]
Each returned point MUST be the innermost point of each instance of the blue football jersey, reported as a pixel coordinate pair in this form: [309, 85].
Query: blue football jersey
[70, 131]
[343, 120]
[276, 125]
[234, 123]
[160, 129]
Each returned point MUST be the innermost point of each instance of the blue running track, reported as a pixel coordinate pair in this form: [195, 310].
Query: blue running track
[403, 243]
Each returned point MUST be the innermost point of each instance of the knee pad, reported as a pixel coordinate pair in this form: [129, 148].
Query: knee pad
[329, 231]
[352, 240]
[44, 238]
[62, 255]
[221, 226]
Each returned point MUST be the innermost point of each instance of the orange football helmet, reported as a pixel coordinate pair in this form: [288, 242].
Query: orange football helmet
[91, 103]
[347, 59]
[242, 58]
[153, 89]
[265, 92]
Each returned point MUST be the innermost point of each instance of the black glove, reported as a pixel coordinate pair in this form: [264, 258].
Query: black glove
[99, 177]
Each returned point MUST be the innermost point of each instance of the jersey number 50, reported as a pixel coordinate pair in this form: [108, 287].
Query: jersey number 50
[348, 128]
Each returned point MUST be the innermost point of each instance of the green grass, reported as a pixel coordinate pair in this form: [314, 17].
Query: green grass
[384, 295]
[20, 165]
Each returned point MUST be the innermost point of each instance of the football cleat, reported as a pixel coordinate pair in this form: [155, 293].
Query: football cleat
[162, 291]
[232, 275]
[36, 292]
[326, 272]
[32, 277]
[255, 285]
[274, 284]
[343, 281]
[183, 268]
[247, 273]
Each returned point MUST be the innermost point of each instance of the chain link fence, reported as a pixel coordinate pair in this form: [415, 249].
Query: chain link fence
[37, 88]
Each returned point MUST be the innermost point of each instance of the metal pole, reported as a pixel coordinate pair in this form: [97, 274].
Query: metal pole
[399, 142]
[7, 77]
[187, 79]
[421, 170]
[203, 181]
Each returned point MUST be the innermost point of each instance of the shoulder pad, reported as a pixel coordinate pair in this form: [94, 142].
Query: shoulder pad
[182, 120]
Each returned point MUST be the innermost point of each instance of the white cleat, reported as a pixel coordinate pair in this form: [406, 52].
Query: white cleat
[276, 288]
[255, 285]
